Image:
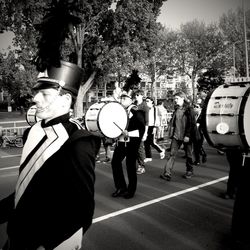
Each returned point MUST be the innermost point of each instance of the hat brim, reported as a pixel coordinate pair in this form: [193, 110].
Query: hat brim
[45, 85]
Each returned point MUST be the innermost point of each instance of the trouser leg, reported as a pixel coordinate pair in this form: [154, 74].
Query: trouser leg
[131, 166]
[174, 147]
[141, 155]
[116, 163]
[189, 160]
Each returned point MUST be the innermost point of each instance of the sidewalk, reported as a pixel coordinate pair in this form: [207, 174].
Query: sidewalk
[12, 116]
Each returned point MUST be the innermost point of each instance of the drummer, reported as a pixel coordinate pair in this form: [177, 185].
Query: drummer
[127, 147]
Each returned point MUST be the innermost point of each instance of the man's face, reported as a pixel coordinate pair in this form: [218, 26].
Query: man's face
[179, 100]
[138, 98]
[48, 103]
[149, 103]
[125, 101]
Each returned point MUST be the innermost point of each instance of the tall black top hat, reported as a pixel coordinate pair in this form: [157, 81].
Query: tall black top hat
[68, 76]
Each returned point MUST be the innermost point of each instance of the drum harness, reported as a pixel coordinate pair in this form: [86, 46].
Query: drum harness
[125, 134]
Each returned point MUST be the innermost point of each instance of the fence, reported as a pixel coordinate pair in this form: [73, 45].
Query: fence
[11, 127]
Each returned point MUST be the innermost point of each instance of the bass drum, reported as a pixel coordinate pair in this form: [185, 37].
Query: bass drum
[31, 117]
[226, 116]
[108, 119]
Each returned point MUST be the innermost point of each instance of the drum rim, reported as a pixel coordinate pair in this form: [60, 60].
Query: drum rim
[35, 117]
[204, 116]
[245, 145]
[241, 118]
[85, 119]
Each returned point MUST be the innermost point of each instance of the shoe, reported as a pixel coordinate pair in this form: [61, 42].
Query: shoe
[227, 196]
[165, 177]
[204, 159]
[196, 163]
[188, 175]
[140, 170]
[147, 159]
[162, 154]
[128, 195]
[106, 160]
[119, 193]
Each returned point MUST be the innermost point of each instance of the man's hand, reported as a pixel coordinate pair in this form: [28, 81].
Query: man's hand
[125, 135]
[144, 137]
[186, 139]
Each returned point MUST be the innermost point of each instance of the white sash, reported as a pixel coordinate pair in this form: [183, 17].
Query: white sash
[54, 137]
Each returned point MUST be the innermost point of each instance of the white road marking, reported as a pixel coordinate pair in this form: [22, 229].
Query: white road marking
[8, 168]
[9, 156]
[147, 203]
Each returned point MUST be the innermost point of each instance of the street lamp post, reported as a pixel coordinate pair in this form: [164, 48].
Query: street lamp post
[234, 57]
[245, 38]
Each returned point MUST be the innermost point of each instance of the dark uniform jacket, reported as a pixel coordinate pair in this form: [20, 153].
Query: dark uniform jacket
[54, 194]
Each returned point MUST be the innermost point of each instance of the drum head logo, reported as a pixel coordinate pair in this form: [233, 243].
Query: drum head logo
[222, 128]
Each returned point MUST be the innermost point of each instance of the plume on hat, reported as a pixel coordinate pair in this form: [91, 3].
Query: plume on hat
[53, 30]
[132, 81]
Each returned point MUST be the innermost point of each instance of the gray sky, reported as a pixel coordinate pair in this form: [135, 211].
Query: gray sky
[176, 12]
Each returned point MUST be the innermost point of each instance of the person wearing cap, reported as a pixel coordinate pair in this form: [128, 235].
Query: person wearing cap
[181, 130]
[53, 203]
[127, 147]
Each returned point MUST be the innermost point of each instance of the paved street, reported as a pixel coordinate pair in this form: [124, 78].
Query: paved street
[181, 214]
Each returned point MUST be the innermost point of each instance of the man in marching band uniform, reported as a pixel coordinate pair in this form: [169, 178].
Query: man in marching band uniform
[53, 203]
[127, 146]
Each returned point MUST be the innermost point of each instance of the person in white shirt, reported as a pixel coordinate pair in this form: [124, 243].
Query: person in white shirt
[117, 92]
[153, 123]
[162, 116]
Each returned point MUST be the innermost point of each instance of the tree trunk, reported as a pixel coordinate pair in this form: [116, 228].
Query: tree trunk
[78, 109]
[193, 88]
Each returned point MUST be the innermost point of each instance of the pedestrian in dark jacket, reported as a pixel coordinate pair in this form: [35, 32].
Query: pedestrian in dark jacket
[198, 140]
[182, 128]
[53, 202]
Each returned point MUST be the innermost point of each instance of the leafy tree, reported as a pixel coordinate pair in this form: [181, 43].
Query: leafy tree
[197, 48]
[102, 33]
[16, 78]
[210, 79]
[231, 25]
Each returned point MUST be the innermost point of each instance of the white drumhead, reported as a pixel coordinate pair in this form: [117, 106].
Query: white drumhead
[113, 119]
[246, 121]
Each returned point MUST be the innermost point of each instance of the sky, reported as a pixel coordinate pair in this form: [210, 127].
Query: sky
[177, 12]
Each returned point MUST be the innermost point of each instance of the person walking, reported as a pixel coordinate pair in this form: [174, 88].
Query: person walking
[138, 96]
[234, 158]
[153, 123]
[181, 131]
[198, 140]
[117, 92]
[53, 202]
[127, 146]
[162, 117]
